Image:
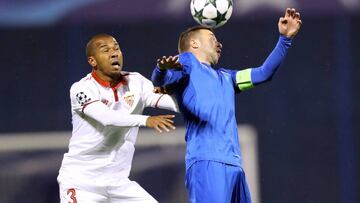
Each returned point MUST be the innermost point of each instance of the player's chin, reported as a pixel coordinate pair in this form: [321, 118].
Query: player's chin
[216, 59]
[116, 68]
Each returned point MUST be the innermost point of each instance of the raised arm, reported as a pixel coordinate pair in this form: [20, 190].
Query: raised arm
[288, 25]
[167, 71]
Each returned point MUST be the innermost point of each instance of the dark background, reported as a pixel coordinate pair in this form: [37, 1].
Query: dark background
[307, 118]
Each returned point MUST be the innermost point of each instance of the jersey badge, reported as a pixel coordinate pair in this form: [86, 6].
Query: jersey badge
[129, 98]
[82, 98]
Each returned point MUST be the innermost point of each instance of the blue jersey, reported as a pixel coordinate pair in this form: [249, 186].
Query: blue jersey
[206, 97]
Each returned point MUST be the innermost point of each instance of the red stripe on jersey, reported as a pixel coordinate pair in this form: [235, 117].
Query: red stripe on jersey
[157, 102]
[115, 94]
[85, 105]
[116, 84]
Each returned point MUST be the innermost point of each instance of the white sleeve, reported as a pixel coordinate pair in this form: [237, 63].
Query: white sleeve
[86, 100]
[107, 117]
[152, 99]
[81, 94]
[166, 101]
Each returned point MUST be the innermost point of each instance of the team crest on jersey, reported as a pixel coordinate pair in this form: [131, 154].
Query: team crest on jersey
[105, 101]
[129, 98]
[82, 98]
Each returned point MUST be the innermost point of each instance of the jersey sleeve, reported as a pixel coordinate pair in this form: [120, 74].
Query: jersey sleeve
[243, 79]
[267, 70]
[85, 101]
[107, 117]
[250, 77]
[161, 78]
[155, 100]
[81, 96]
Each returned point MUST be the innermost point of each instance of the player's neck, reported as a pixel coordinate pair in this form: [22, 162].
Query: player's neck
[201, 58]
[112, 81]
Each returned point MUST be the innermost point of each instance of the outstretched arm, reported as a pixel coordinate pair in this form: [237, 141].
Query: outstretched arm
[101, 113]
[288, 25]
[157, 97]
[266, 71]
[167, 71]
[86, 102]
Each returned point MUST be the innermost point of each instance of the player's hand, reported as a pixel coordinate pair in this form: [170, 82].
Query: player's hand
[169, 62]
[163, 90]
[161, 123]
[290, 24]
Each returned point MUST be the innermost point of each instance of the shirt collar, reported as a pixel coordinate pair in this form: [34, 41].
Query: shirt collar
[104, 83]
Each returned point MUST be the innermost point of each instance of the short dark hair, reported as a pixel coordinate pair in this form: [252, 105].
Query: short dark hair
[184, 39]
[90, 45]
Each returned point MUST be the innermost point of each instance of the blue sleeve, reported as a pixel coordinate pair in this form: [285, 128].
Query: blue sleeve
[265, 72]
[161, 78]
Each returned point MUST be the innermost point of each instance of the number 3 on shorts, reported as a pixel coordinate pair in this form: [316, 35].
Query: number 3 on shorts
[72, 195]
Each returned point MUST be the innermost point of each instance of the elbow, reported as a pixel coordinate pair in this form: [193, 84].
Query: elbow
[268, 79]
[263, 80]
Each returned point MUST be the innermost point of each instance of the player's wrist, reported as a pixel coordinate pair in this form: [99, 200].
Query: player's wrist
[160, 68]
[144, 121]
[285, 36]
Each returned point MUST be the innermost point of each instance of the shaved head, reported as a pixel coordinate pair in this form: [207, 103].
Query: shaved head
[91, 45]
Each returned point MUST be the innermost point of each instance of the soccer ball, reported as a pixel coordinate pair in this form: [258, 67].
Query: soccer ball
[213, 13]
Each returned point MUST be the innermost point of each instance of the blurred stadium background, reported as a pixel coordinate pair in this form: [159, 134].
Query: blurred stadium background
[306, 121]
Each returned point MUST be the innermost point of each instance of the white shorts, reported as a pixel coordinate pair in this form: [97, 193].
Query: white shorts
[121, 192]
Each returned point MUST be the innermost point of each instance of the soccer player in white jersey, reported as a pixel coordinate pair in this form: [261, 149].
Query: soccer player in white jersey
[107, 108]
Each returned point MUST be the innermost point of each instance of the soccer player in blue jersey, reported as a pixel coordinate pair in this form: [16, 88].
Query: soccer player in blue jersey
[206, 97]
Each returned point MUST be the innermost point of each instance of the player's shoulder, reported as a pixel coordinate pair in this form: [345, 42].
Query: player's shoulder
[226, 72]
[133, 76]
[130, 74]
[187, 56]
[85, 82]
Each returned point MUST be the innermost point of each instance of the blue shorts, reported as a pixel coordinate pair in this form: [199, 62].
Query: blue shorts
[216, 182]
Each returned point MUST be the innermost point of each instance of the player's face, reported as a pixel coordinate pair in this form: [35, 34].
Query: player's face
[210, 46]
[108, 57]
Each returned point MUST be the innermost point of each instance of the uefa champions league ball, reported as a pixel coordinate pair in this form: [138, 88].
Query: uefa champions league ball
[213, 13]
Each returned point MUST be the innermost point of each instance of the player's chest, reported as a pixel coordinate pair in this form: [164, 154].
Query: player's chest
[124, 98]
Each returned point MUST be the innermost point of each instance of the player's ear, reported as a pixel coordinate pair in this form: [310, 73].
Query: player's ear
[92, 61]
[194, 43]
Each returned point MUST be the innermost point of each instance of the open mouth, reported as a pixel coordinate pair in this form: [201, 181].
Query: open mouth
[116, 64]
